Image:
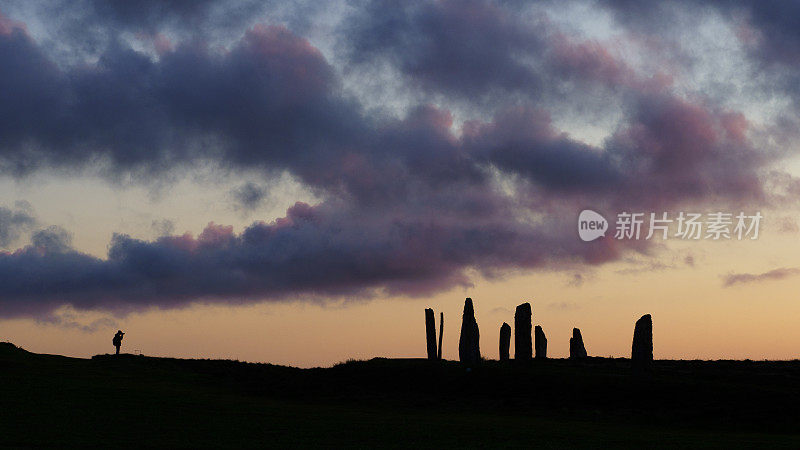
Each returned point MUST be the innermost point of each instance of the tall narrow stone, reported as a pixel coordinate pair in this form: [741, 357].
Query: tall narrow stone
[430, 333]
[576, 348]
[522, 332]
[469, 351]
[540, 343]
[642, 349]
[441, 333]
[505, 341]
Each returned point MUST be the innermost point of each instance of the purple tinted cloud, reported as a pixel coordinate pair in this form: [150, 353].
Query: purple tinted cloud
[461, 48]
[314, 251]
[412, 203]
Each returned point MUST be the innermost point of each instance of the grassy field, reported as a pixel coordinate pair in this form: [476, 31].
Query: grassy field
[132, 401]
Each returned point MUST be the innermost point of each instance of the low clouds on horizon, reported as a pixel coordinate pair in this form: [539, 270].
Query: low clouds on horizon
[413, 203]
[745, 278]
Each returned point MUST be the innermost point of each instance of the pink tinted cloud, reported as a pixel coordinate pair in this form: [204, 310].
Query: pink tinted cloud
[7, 26]
[288, 54]
[594, 61]
[410, 205]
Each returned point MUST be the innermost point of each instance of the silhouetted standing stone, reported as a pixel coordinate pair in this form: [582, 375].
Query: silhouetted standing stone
[430, 333]
[505, 341]
[576, 347]
[642, 350]
[469, 342]
[441, 333]
[540, 342]
[522, 332]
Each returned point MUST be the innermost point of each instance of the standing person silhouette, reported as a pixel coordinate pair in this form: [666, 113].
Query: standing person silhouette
[118, 340]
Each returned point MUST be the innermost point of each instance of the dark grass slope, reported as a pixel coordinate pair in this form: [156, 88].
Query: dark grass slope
[130, 400]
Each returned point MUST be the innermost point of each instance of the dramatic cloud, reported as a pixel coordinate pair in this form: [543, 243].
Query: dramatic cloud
[313, 251]
[273, 102]
[775, 274]
[465, 48]
[477, 175]
[268, 101]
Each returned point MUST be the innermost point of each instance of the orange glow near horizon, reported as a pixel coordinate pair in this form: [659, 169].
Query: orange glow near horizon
[694, 315]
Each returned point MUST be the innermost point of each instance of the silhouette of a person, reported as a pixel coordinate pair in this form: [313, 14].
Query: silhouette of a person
[118, 340]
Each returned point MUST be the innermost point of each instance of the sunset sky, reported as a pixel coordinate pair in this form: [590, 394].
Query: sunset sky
[294, 182]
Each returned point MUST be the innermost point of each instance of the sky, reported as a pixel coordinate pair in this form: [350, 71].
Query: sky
[294, 182]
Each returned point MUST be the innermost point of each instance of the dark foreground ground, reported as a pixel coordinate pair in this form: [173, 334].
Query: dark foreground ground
[139, 401]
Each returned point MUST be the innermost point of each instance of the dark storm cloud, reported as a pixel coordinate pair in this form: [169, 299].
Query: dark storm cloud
[484, 51]
[667, 150]
[523, 141]
[273, 102]
[319, 251]
[777, 26]
[411, 204]
[267, 102]
[465, 48]
[672, 149]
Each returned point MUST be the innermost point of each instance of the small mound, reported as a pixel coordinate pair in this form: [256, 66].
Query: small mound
[9, 348]
[10, 352]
